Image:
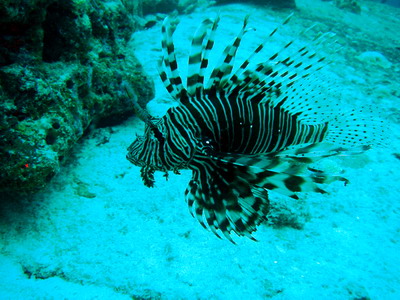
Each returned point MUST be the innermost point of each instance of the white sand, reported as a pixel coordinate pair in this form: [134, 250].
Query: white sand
[98, 233]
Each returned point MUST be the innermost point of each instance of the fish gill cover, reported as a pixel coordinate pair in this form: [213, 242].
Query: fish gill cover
[247, 129]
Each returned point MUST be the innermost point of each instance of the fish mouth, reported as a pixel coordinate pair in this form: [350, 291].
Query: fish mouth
[141, 163]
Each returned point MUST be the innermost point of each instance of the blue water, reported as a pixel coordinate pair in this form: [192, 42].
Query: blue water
[395, 3]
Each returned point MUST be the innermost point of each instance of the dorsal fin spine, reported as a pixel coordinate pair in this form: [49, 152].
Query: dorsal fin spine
[224, 67]
[169, 63]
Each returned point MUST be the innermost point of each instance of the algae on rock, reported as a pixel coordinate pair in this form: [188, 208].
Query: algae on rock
[61, 69]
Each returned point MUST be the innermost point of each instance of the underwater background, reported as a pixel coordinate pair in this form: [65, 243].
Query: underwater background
[76, 221]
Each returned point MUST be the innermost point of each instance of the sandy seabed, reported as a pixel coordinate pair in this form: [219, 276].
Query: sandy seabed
[97, 232]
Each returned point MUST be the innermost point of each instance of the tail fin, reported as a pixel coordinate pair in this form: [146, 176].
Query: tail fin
[357, 129]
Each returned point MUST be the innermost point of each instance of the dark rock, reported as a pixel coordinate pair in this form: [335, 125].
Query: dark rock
[350, 5]
[159, 6]
[272, 3]
[62, 64]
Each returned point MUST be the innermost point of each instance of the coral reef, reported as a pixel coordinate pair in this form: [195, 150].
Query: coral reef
[62, 64]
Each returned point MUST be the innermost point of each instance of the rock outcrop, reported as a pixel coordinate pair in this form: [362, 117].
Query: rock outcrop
[62, 64]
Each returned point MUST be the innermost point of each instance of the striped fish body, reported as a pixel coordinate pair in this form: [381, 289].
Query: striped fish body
[245, 132]
[235, 124]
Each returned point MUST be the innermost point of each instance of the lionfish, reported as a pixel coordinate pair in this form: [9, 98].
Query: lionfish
[245, 131]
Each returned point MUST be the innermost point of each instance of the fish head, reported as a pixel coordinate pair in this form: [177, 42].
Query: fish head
[147, 150]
